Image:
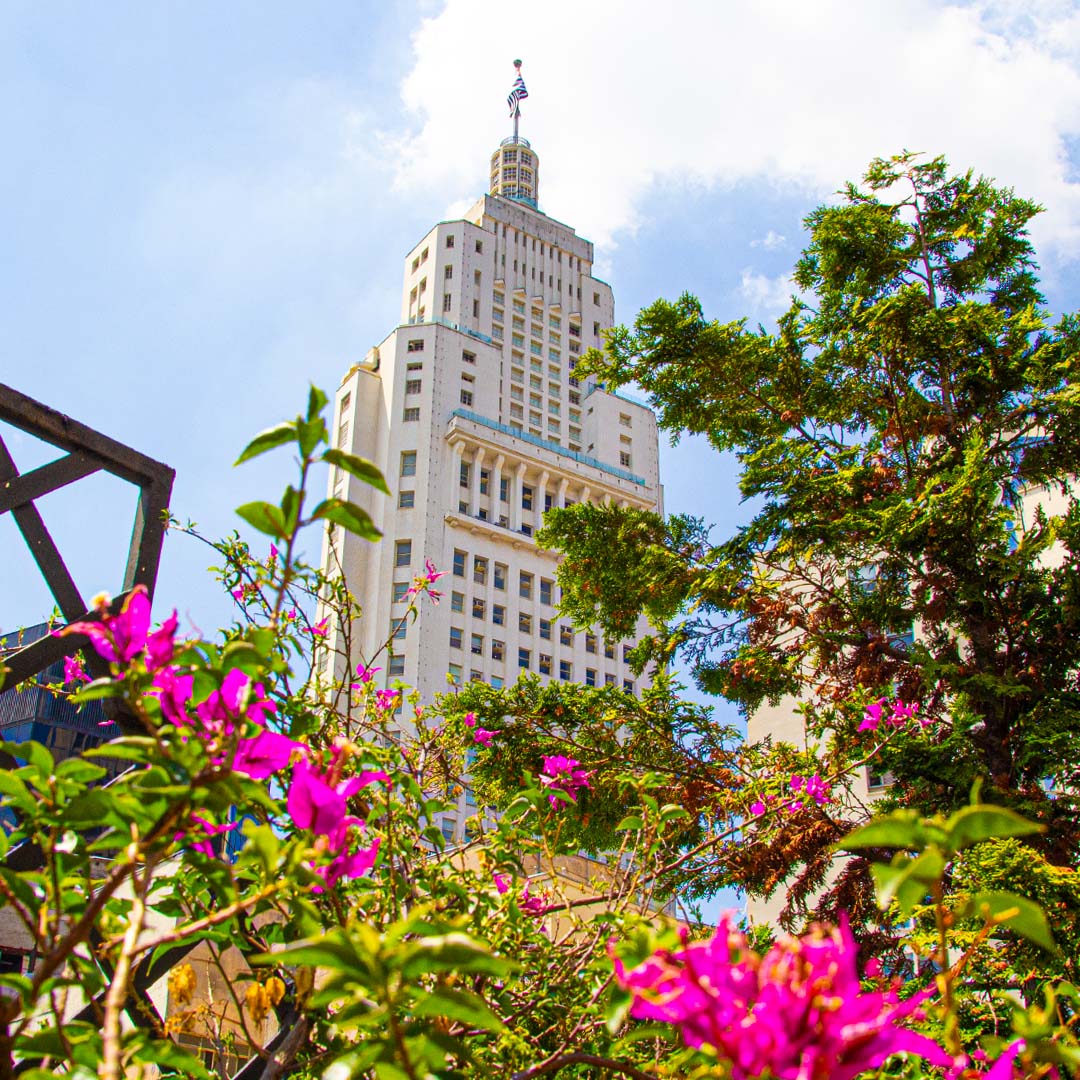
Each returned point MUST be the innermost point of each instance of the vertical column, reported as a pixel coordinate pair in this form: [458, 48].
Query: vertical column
[455, 474]
[494, 487]
[586, 491]
[515, 497]
[541, 496]
[474, 493]
[560, 498]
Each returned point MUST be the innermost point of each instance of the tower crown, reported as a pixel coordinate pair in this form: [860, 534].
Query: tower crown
[515, 171]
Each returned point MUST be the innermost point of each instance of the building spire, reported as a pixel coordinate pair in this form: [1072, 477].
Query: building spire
[515, 97]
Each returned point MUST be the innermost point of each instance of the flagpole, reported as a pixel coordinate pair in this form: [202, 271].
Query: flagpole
[517, 103]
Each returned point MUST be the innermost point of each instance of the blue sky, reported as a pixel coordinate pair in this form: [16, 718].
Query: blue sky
[206, 206]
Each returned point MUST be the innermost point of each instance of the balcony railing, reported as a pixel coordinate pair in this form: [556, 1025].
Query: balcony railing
[544, 444]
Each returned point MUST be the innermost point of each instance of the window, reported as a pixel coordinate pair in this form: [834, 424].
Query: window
[460, 559]
[415, 366]
[477, 644]
[590, 643]
[566, 635]
[400, 589]
[628, 685]
[412, 386]
[496, 682]
[468, 357]
[478, 608]
[398, 629]
[466, 397]
[545, 629]
[526, 497]
[454, 671]
[524, 659]
[609, 680]
[525, 585]
[406, 500]
[566, 670]
[609, 650]
[343, 433]
[504, 489]
[498, 298]
[447, 300]
[403, 553]
[416, 345]
[625, 459]
[485, 481]
[626, 654]
[596, 328]
[476, 676]
[499, 577]
[448, 272]
[479, 247]
[545, 664]
[525, 623]
[408, 463]
[498, 650]
[457, 602]
[464, 474]
[498, 614]
[590, 676]
[455, 637]
[479, 569]
[546, 590]
[410, 416]
[450, 241]
[575, 399]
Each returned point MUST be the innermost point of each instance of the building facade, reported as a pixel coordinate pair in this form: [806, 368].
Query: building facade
[471, 409]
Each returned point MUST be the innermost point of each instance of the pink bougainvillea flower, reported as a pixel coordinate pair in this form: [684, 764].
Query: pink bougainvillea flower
[74, 670]
[292, 615]
[386, 700]
[902, 713]
[502, 883]
[273, 551]
[365, 675]
[265, 754]
[423, 582]
[813, 786]
[317, 800]
[872, 716]
[757, 808]
[160, 647]
[1003, 1069]
[173, 691]
[532, 905]
[561, 774]
[320, 629]
[200, 836]
[796, 1013]
[237, 697]
[239, 594]
[346, 866]
[483, 736]
[118, 638]
[470, 719]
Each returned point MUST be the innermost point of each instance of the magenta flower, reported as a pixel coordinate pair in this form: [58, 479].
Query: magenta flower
[796, 1013]
[120, 638]
[562, 776]
[532, 905]
[1002, 1069]
[173, 691]
[423, 582]
[813, 786]
[386, 700]
[238, 594]
[317, 801]
[237, 697]
[320, 629]
[470, 719]
[74, 670]
[872, 716]
[502, 883]
[483, 736]
[273, 551]
[757, 808]
[345, 866]
[265, 754]
[365, 675]
[200, 837]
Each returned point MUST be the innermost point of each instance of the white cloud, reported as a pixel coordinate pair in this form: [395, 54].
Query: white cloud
[721, 93]
[770, 241]
[766, 297]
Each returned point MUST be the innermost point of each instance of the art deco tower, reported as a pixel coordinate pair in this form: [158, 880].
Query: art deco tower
[471, 408]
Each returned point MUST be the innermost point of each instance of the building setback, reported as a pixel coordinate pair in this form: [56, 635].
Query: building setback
[471, 409]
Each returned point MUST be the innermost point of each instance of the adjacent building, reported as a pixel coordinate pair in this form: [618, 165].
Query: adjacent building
[472, 410]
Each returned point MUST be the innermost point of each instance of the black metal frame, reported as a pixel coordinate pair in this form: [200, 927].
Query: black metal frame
[88, 452]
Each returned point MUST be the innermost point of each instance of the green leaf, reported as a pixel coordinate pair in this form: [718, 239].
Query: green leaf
[630, 822]
[907, 880]
[290, 507]
[267, 440]
[82, 772]
[316, 401]
[265, 517]
[452, 952]
[348, 515]
[104, 687]
[459, 1005]
[359, 467]
[310, 433]
[901, 829]
[334, 950]
[973, 824]
[1019, 914]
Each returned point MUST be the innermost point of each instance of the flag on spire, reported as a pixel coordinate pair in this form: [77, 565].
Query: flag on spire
[517, 92]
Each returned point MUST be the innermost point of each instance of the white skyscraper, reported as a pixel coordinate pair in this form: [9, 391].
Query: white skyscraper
[471, 409]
